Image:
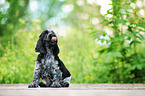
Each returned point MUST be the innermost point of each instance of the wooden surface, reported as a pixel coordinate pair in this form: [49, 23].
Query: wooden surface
[75, 90]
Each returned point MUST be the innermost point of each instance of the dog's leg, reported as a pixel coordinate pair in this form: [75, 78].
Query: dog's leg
[56, 78]
[36, 76]
[46, 82]
[41, 84]
[57, 75]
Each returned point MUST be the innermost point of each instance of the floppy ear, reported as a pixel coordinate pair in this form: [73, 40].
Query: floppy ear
[40, 44]
[56, 50]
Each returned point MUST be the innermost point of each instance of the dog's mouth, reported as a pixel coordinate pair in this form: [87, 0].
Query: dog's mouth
[53, 39]
[50, 40]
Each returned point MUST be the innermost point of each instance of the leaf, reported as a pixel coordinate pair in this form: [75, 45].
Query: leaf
[141, 36]
[109, 11]
[130, 28]
[104, 21]
[93, 32]
[138, 42]
[129, 38]
[129, 48]
[91, 28]
[104, 34]
[102, 50]
[139, 67]
[107, 41]
[110, 22]
[102, 40]
[130, 68]
[131, 43]
[114, 54]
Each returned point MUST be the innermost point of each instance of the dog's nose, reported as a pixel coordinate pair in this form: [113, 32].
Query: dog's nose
[53, 39]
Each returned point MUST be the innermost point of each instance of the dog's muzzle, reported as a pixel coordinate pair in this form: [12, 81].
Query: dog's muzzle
[53, 39]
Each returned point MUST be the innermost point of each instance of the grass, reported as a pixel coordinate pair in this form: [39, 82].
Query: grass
[77, 54]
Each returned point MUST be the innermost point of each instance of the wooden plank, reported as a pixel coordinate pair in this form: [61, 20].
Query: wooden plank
[80, 87]
[75, 90]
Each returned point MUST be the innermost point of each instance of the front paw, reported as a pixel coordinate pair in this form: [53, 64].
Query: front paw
[55, 85]
[64, 84]
[33, 85]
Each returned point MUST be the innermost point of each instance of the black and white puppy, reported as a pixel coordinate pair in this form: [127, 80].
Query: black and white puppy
[48, 65]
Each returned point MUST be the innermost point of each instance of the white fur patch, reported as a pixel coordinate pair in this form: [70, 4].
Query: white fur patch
[67, 79]
[37, 65]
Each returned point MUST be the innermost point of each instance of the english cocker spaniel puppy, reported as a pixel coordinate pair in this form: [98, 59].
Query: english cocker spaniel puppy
[48, 65]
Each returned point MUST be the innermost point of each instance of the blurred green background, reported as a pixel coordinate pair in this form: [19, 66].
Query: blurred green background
[101, 41]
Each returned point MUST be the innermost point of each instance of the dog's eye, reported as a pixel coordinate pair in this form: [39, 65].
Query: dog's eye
[47, 38]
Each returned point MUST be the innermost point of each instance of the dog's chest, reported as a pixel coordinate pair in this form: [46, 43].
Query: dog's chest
[49, 64]
[49, 59]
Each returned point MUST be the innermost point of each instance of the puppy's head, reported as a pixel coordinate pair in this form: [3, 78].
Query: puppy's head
[47, 39]
[50, 39]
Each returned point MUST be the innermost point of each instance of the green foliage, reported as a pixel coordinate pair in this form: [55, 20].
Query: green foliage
[18, 60]
[10, 13]
[120, 58]
[122, 55]
[77, 55]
